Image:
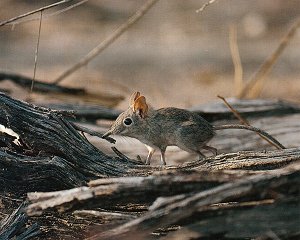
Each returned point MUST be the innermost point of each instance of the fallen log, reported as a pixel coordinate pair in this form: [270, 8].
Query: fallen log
[135, 190]
[46, 133]
[279, 220]
[49, 154]
[85, 112]
[172, 210]
[15, 226]
[40, 86]
[51, 147]
[248, 108]
[54, 91]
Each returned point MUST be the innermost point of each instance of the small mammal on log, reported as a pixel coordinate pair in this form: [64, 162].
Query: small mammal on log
[170, 126]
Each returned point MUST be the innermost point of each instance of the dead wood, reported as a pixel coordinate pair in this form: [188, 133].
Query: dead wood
[14, 226]
[172, 181]
[12, 20]
[39, 86]
[167, 211]
[284, 128]
[85, 112]
[247, 160]
[247, 108]
[262, 221]
[50, 142]
[117, 191]
[52, 155]
[54, 91]
[50, 145]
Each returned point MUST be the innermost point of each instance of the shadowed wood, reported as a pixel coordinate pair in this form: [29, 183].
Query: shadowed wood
[126, 198]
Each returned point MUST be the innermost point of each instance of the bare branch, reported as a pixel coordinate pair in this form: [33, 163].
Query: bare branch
[245, 122]
[205, 5]
[108, 41]
[6, 22]
[266, 67]
[235, 55]
[46, 16]
[37, 51]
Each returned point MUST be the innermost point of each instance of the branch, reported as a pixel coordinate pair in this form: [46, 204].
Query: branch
[46, 16]
[236, 59]
[116, 191]
[245, 122]
[108, 41]
[52, 144]
[15, 226]
[39, 85]
[33, 12]
[192, 176]
[205, 5]
[266, 67]
[167, 211]
[37, 51]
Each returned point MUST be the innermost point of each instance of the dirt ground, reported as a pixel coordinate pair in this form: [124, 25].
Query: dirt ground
[174, 55]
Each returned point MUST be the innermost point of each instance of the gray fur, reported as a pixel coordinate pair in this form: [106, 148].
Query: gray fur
[173, 127]
[166, 127]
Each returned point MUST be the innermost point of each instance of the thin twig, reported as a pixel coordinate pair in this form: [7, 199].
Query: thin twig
[37, 51]
[108, 41]
[265, 68]
[120, 154]
[244, 121]
[235, 55]
[205, 5]
[33, 12]
[92, 133]
[46, 16]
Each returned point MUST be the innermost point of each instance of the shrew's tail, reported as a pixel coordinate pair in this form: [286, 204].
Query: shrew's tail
[250, 128]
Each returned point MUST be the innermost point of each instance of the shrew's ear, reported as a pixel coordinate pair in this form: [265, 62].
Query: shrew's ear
[133, 97]
[140, 106]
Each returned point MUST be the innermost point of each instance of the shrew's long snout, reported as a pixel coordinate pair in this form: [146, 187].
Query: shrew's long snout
[108, 133]
[109, 139]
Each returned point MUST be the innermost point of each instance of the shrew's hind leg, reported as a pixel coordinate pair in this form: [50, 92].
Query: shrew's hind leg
[162, 156]
[150, 153]
[213, 150]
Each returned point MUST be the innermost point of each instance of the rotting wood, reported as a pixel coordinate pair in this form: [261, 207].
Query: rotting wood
[86, 112]
[54, 156]
[284, 128]
[40, 86]
[47, 133]
[51, 154]
[54, 91]
[247, 108]
[167, 211]
[280, 218]
[135, 189]
[14, 226]
[113, 191]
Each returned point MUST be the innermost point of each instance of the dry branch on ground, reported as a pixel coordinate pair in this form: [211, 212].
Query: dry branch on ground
[127, 197]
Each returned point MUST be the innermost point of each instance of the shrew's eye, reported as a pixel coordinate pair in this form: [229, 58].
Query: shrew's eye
[127, 121]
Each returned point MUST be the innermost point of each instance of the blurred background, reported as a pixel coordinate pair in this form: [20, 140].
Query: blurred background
[173, 55]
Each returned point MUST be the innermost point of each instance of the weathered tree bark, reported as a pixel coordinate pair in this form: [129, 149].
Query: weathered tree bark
[172, 210]
[87, 112]
[39, 85]
[46, 136]
[247, 108]
[115, 191]
[60, 92]
[14, 226]
[52, 155]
